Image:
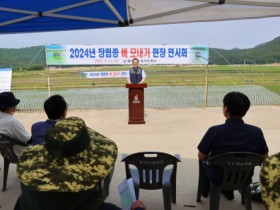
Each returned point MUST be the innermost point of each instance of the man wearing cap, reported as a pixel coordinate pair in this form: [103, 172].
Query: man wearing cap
[66, 171]
[9, 125]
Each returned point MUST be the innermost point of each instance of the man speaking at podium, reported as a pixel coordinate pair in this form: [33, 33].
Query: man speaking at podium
[136, 75]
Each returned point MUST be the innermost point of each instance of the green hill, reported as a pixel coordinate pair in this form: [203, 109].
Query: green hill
[22, 57]
[265, 53]
[31, 58]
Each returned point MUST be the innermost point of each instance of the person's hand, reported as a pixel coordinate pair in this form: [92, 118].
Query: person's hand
[137, 204]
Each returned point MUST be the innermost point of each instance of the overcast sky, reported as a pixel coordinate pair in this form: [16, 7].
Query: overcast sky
[226, 35]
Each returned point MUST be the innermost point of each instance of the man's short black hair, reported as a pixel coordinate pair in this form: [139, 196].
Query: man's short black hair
[237, 104]
[135, 59]
[55, 107]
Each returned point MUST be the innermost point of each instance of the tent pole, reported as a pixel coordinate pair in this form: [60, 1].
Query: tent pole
[206, 87]
[49, 84]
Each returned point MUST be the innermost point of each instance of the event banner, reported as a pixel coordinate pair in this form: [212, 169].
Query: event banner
[104, 74]
[5, 79]
[123, 54]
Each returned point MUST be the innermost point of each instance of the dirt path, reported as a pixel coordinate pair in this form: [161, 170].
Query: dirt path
[170, 130]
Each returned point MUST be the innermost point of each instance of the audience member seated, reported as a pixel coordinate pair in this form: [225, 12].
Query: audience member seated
[11, 126]
[63, 173]
[55, 108]
[232, 136]
[270, 182]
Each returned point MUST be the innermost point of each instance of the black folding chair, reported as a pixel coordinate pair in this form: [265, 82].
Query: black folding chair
[152, 171]
[237, 170]
[6, 148]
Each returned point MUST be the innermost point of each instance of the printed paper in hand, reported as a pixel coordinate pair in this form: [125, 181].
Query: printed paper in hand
[127, 193]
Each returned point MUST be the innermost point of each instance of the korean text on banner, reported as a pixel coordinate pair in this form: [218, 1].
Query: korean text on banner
[103, 74]
[123, 54]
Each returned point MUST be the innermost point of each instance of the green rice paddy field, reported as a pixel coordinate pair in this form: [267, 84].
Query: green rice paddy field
[168, 86]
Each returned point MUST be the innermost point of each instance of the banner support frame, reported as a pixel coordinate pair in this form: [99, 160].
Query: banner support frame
[206, 87]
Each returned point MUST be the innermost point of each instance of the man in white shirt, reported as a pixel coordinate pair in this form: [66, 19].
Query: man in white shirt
[11, 126]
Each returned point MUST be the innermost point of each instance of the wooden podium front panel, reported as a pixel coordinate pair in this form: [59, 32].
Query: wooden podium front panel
[136, 103]
[136, 106]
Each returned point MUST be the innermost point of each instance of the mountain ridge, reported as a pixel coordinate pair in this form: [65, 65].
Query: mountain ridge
[264, 53]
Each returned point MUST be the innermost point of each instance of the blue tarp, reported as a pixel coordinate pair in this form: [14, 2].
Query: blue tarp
[18, 16]
[21, 16]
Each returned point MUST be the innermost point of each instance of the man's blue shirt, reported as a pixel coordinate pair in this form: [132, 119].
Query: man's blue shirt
[233, 136]
[39, 131]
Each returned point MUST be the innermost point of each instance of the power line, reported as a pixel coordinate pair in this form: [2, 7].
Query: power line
[231, 65]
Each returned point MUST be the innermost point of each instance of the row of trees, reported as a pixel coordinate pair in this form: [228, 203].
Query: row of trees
[29, 68]
[29, 58]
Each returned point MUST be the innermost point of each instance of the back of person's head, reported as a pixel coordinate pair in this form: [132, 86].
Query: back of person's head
[55, 107]
[8, 100]
[237, 104]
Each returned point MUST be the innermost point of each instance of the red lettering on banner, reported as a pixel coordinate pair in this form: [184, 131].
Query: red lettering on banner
[133, 52]
[140, 52]
[147, 52]
[124, 52]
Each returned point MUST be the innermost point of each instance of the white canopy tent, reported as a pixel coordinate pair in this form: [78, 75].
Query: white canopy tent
[150, 12]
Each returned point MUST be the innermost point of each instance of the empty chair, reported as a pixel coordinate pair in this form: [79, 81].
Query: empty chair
[6, 149]
[152, 171]
[237, 171]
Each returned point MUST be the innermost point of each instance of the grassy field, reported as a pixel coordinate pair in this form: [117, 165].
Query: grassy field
[155, 97]
[62, 78]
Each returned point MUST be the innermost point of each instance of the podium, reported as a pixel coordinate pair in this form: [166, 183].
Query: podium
[136, 103]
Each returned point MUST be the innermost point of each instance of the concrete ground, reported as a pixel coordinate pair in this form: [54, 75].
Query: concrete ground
[176, 131]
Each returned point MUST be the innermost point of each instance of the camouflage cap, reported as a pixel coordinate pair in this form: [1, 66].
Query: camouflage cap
[75, 158]
[270, 182]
